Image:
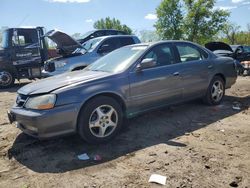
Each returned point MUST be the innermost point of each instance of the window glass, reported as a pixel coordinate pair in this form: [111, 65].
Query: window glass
[24, 37]
[162, 54]
[247, 49]
[110, 32]
[189, 53]
[91, 44]
[126, 41]
[121, 33]
[119, 60]
[99, 34]
[111, 44]
[5, 39]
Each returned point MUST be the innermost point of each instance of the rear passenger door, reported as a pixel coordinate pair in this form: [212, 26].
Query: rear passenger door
[194, 69]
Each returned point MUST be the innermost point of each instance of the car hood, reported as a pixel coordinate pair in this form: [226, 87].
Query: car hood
[213, 46]
[56, 82]
[62, 40]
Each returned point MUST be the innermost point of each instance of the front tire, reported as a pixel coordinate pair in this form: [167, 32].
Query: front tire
[100, 120]
[215, 91]
[7, 79]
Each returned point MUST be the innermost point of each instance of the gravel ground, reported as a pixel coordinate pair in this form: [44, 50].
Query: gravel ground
[192, 144]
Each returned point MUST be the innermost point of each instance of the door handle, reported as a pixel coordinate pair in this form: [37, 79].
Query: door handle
[210, 66]
[176, 74]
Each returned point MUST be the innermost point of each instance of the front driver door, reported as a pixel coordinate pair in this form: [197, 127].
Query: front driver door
[155, 86]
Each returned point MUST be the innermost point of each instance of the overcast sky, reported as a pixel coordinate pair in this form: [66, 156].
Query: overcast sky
[74, 16]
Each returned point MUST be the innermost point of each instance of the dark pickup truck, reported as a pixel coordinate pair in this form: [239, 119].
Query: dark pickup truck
[22, 54]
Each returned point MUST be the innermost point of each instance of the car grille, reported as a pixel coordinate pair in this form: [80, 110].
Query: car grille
[21, 99]
[49, 66]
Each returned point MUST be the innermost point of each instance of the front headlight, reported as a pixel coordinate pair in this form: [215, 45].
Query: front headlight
[43, 102]
[59, 64]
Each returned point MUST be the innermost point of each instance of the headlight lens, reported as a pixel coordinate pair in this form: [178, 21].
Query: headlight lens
[59, 64]
[43, 102]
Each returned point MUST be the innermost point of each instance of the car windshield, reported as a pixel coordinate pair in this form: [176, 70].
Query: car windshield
[118, 60]
[247, 49]
[91, 44]
[5, 39]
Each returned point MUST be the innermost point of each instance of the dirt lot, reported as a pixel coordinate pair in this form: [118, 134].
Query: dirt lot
[192, 144]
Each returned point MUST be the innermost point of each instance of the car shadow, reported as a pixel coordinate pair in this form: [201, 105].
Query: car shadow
[153, 128]
[16, 87]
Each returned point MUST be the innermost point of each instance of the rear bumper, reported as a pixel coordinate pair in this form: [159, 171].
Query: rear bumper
[46, 124]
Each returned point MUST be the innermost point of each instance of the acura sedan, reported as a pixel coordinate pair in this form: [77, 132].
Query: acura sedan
[131, 80]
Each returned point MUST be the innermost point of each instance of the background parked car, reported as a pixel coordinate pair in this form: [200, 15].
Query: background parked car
[124, 83]
[87, 53]
[237, 52]
[67, 44]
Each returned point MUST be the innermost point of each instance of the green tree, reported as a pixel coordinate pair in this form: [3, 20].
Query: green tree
[109, 23]
[230, 31]
[148, 36]
[232, 34]
[76, 35]
[202, 21]
[193, 20]
[170, 20]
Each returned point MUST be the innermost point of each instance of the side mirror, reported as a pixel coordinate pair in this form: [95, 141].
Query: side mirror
[104, 49]
[239, 51]
[146, 63]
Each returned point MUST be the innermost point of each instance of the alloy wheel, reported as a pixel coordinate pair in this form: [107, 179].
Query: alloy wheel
[217, 91]
[103, 121]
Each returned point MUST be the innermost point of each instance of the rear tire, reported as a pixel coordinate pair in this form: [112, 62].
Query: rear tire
[7, 79]
[215, 91]
[100, 120]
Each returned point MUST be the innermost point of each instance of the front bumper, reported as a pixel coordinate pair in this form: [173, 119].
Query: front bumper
[45, 124]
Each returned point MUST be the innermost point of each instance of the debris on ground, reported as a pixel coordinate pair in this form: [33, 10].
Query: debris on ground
[97, 158]
[236, 182]
[236, 106]
[156, 178]
[83, 157]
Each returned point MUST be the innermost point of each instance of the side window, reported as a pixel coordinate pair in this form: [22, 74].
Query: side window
[109, 45]
[162, 54]
[121, 33]
[98, 34]
[110, 32]
[126, 41]
[189, 53]
[24, 37]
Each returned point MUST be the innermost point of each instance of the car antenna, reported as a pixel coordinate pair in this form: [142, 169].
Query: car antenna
[24, 18]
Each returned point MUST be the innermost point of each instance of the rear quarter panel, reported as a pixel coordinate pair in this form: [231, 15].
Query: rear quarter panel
[226, 66]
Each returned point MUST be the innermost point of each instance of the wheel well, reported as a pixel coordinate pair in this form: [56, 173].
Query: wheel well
[12, 71]
[222, 76]
[111, 95]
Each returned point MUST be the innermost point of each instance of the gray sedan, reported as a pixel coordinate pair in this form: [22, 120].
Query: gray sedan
[129, 81]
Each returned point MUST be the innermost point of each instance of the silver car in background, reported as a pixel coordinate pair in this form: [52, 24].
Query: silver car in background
[87, 53]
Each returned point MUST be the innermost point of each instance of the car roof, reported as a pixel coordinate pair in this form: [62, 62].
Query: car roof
[107, 30]
[168, 41]
[114, 36]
